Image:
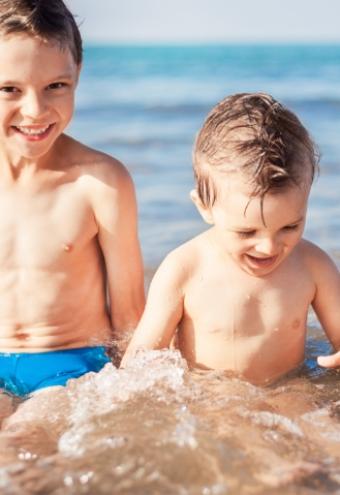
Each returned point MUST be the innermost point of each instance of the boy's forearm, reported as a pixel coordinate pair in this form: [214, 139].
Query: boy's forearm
[124, 323]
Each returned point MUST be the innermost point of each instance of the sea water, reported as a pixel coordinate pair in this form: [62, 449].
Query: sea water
[156, 427]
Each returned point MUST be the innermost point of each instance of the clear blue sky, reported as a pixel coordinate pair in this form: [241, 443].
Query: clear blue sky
[208, 20]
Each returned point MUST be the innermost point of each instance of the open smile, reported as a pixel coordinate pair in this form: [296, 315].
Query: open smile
[33, 133]
[257, 262]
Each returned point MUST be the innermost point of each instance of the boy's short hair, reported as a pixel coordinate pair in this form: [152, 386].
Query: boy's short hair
[255, 134]
[46, 19]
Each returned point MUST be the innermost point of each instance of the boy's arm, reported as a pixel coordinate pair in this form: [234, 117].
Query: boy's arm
[163, 311]
[116, 216]
[326, 304]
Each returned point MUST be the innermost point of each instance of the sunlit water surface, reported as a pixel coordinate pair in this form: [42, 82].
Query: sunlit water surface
[158, 428]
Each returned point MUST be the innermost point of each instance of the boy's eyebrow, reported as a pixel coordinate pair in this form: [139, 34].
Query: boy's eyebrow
[8, 82]
[66, 75]
[296, 221]
[12, 82]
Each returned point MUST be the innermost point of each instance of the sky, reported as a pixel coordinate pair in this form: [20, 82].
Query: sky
[199, 21]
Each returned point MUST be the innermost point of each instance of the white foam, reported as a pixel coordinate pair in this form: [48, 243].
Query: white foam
[272, 420]
[157, 373]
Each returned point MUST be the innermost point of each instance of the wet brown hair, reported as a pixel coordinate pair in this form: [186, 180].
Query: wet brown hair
[46, 19]
[254, 134]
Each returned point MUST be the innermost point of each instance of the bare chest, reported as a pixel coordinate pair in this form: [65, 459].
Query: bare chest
[229, 306]
[37, 230]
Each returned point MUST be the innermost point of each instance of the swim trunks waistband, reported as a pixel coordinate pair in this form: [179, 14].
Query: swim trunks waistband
[22, 374]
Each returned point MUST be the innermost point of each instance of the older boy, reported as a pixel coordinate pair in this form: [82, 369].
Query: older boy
[68, 228]
[239, 293]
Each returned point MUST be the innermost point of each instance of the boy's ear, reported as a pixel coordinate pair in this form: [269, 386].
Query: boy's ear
[205, 211]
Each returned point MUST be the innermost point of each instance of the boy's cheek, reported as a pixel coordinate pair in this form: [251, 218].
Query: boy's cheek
[232, 245]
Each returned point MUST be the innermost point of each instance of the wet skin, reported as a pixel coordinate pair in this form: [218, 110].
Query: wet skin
[239, 293]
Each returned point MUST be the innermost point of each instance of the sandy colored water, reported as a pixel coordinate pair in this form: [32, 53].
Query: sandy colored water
[158, 428]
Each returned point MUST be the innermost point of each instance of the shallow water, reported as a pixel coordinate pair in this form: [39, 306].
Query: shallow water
[158, 428]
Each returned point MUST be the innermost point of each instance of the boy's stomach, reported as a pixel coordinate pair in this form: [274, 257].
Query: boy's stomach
[44, 337]
[44, 311]
[260, 359]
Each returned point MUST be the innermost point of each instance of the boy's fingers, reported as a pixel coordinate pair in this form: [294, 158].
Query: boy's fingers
[332, 361]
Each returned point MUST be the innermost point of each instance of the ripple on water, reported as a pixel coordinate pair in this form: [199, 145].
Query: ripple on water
[155, 427]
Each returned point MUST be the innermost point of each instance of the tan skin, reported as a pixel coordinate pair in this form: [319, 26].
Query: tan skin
[52, 289]
[239, 293]
[68, 216]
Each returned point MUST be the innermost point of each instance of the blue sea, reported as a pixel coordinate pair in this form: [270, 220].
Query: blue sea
[145, 104]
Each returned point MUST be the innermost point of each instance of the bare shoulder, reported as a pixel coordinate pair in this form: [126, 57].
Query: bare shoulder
[316, 259]
[93, 166]
[105, 184]
[181, 264]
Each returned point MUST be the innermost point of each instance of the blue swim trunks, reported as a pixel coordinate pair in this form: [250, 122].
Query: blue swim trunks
[23, 373]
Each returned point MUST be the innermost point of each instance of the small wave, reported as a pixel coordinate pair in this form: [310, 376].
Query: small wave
[321, 420]
[133, 109]
[98, 393]
[314, 103]
[140, 142]
[272, 420]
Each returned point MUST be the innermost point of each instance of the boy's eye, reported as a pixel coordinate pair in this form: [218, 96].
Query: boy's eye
[57, 85]
[9, 89]
[246, 233]
[291, 227]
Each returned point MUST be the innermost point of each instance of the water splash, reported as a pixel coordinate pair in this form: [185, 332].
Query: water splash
[156, 428]
[157, 376]
[323, 421]
[185, 430]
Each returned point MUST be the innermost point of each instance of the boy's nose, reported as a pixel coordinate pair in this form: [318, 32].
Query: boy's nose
[33, 106]
[266, 246]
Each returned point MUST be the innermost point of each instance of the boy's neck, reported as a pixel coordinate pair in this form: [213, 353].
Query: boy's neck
[12, 167]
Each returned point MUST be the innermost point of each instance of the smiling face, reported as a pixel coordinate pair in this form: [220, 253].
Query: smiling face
[37, 85]
[257, 235]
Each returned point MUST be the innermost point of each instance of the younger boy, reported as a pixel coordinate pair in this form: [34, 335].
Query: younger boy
[239, 293]
[68, 227]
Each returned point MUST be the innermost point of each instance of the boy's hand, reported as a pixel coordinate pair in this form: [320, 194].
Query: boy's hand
[331, 361]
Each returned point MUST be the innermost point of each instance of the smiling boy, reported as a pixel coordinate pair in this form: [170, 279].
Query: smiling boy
[68, 226]
[239, 293]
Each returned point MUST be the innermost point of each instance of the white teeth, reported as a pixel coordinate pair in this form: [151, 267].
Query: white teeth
[32, 132]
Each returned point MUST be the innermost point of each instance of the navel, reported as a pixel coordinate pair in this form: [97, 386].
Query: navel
[22, 336]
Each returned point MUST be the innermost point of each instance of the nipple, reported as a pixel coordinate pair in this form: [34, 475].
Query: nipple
[67, 247]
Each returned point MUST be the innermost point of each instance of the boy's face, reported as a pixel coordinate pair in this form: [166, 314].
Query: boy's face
[37, 84]
[257, 238]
